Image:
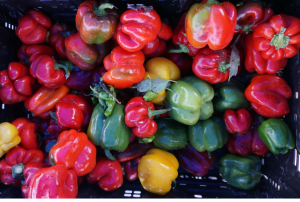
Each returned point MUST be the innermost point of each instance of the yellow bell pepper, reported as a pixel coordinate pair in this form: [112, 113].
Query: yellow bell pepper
[156, 170]
[160, 67]
[9, 137]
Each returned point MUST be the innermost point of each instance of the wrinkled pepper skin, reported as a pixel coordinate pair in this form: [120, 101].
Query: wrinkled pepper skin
[27, 131]
[156, 170]
[12, 166]
[123, 68]
[107, 173]
[75, 151]
[45, 99]
[206, 92]
[53, 182]
[28, 53]
[242, 172]
[131, 169]
[133, 151]
[170, 135]
[238, 122]
[139, 26]
[276, 135]
[33, 27]
[185, 103]
[194, 162]
[211, 23]
[268, 95]
[9, 137]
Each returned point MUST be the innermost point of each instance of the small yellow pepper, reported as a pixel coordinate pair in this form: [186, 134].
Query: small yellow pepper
[160, 67]
[9, 137]
[156, 170]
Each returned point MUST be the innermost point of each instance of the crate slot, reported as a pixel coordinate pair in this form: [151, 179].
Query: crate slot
[202, 185]
[296, 95]
[197, 196]
[275, 185]
[295, 117]
[223, 187]
[182, 184]
[127, 195]
[181, 176]
[186, 176]
[278, 187]
[3, 106]
[263, 161]
[128, 191]
[266, 177]
[198, 178]
[137, 192]
[224, 180]
[136, 195]
[295, 157]
[298, 162]
[212, 178]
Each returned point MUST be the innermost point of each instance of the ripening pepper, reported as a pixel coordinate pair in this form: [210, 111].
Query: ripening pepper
[131, 169]
[242, 172]
[9, 137]
[268, 95]
[33, 27]
[12, 166]
[53, 182]
[28, 53]
[133, 151]
[238, 122]
[157, 169]
[75, 151]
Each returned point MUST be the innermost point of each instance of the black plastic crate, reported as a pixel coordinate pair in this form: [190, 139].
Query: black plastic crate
[280, 173]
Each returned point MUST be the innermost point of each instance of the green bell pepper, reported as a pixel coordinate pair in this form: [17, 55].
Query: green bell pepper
[206, 92]
[185, 103]
[242, 172]
[276, 135]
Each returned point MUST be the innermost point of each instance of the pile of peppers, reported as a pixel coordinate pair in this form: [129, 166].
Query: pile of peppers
[123, 96]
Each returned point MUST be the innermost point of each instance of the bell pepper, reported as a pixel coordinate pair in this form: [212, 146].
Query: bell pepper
[104, 50]
[124, 68]
[151, 46]
[279, 38]
[194, 162]
[276, 135]
[156, 170]
[28, 53]
[80, 79]
[206, 92]
[45, 99]
[165, 32]
[98, 72]
[170, 135]
[133, 151]
[242, 172]
[15, 83]
[54, 129]
[159, 51]
[42, 124]
[185, 103]
[131, 169]
[9, 137]
[81, 54]
[268, 95]
[12, 166]
[211, 23]
[238, 122]
[75, 151]
[208, 135]
[250, 15]
[28, 173]
[53, 182]
[107, 173]
[111, 133]
[27, 131]
[139, 26]
[33, 27]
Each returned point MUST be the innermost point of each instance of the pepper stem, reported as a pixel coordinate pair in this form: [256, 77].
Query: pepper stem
[53, 115]
[109, 155]
[150, 95]
[213, 2]
[66, 68]
[247, 29]
[223, 66]
[100, 11]
[146, 140]
[261, 119]
[182, 49]
[209, 154]
[17, 171]
[279, 40]
[152, 113]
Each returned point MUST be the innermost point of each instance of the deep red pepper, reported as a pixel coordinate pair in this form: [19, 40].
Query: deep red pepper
[159, 51]
[151, 46]
[238, 122]
[54, 129]
[165, 32]
[132, 138]
[131, 169]
[98, 72]
[133, 151]
[80, 79]
[42, 124]
[104, 50]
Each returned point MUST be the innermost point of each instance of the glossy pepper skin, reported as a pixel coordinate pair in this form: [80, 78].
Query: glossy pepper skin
[268, 95]
[9, 137]
[159, 51]
[156, 170]
[45, 99]
[75, 151]
[134, 150]
[131, 169]
[165, 32]
[238, 122]
[12, 166]
[27, 131]
[277, 136]
[28, 53]
[211, 23]
[139, 26]
[242, 172]
[53, 182]
[185, 103]
[33, 27]
[197, 163]
[107, 173]
[151, 47]
[123, 68]
[254, 62]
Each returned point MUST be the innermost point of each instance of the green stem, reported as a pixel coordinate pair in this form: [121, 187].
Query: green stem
[17, 171]
[146, 140]
[61, 66]
[182, 49]
[100, 11]
[223, 66]
[150, 95]
[261, 119]
[152, 113]
[209, 154]
[247, 29]
[53, 115]
[279, 40]
[213, 2]
[109, 155]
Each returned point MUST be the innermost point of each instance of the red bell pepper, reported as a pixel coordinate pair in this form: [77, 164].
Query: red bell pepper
[238, 122]
[53, 182]
[268, 95]
[159, 51]
[197, 163]
[107, 173]
[133, 151]
[12, 166]
[139, 26]
[33, 27]
[75, 151]
[28, 53]
[124, 68]
[139, 116]
[54, 129]
[131, 169]
[250, 15]
[211, 23]
[279, 38]
[165, 32]
[151, 46]
[254, 62]
[80, 79]
[104, 50]
[132, 138]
